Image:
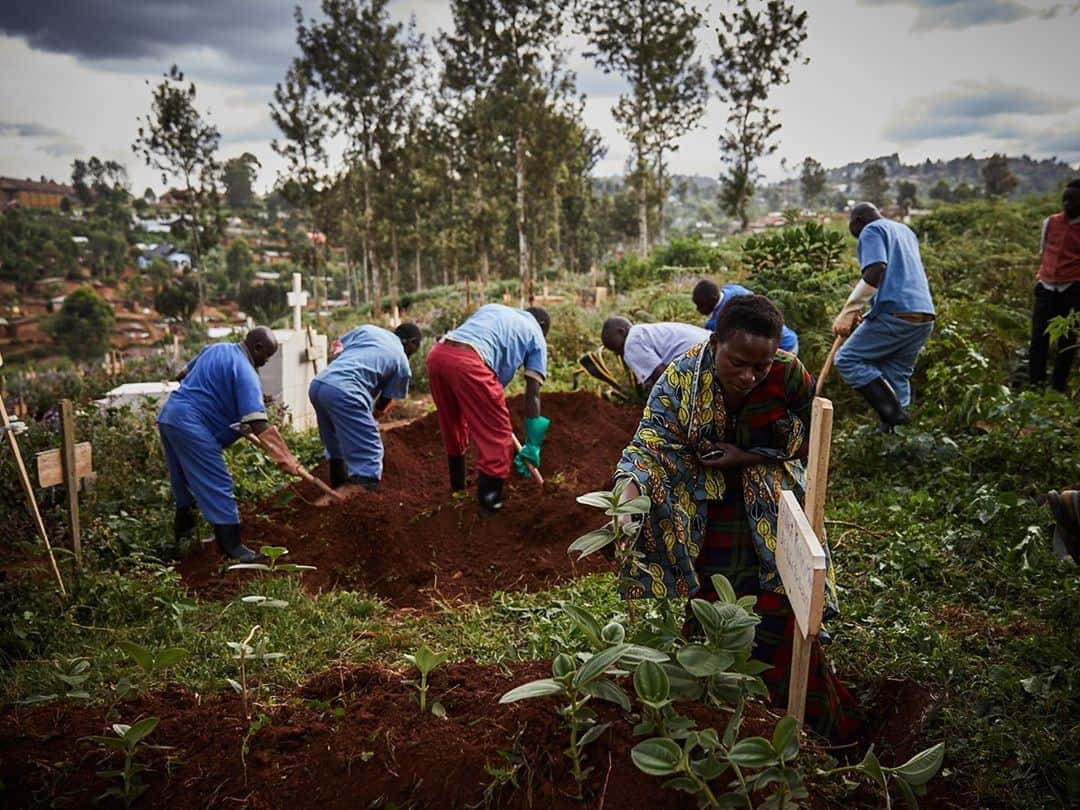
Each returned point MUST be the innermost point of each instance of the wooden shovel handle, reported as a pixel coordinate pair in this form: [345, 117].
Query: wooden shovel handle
[828, 366]
[307, 476]
[536, 473]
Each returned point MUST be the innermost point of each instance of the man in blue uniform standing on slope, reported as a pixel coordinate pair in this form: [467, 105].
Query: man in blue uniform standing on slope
[219, 399]
[367, 374]
[878, 358]
[710, 299]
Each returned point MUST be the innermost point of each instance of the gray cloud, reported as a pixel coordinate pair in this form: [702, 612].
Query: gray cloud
[29, 129]
[243, 40]
[61, 148]
[984, 108]
[956, 15]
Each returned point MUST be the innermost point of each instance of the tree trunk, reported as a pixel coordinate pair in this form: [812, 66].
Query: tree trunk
[419, 274]
[369, 241]
[557, 233]
[523, 242]
[661, 228]
[482, 240]
[395, 269]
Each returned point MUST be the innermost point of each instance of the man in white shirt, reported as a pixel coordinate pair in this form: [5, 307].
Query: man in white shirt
[647, 348]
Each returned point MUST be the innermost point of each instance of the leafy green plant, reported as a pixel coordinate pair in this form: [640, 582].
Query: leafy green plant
[128, 741]
[910, 778]
[618, 533]
[425, 660]
[272, 566]
[68, 677]
[244, 651]
[152, 662]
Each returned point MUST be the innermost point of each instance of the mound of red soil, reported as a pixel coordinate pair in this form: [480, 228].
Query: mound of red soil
[349, 738]
[412, 541]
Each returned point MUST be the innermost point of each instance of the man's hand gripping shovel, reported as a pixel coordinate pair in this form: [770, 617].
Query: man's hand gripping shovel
[271, 442]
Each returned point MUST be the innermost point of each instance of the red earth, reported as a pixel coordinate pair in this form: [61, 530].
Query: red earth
[412, 541]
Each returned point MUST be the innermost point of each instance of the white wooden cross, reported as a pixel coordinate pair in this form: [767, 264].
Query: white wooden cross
[297, 299]
[800, 557]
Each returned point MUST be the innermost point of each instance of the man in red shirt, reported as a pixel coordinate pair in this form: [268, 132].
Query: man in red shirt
[1057, 291]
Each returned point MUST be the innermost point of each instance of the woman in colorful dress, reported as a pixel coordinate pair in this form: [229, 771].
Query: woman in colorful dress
[724, 431]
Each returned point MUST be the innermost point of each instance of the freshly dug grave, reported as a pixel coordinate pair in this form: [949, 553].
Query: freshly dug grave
[348, 738]
[413, 542]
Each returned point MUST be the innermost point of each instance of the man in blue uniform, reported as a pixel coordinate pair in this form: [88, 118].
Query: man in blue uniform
[366, 375]
[878, 358]
[710, 299]
[219, 389]
[468, 370]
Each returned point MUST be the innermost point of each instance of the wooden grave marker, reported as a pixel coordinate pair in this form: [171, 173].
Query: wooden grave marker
[70, 464]
[800, 557]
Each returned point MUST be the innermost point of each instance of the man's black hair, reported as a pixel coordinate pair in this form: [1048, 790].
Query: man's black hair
[542, 318]
[706, 287]
[408, 331]
[753, 314]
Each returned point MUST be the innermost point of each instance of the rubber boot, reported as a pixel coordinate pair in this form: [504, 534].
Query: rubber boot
[184, 524]
[883, 399]
[227, 536]
[339, 472]
[370, 484]
[489, 493]
[457, 472]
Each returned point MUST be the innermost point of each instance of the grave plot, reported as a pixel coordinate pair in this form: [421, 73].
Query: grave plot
[412, 541]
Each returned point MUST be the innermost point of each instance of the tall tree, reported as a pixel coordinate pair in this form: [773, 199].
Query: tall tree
[998, 179]
[506, 51]
[652, 44]
[84, 327]
[238, 175]
[812, 180]
[175, 140]
[365, 67]
[874, 184]
[756, 51]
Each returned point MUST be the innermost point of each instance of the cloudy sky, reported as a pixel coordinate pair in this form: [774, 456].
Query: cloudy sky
[924, 78]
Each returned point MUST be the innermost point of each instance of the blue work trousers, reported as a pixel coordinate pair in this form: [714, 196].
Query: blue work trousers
[348, 429]
[198, 473]
[884, 346]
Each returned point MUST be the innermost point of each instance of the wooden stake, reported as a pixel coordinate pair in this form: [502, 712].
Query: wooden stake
[29, 490]
[71, 475]
[817, 465]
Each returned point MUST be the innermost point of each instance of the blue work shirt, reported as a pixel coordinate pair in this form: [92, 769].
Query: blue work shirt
[506, 339]
[904, 288]
[789, 341]
[221, 388]
[372, 363]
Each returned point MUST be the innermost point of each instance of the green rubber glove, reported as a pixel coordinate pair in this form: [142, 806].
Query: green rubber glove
[536, 429]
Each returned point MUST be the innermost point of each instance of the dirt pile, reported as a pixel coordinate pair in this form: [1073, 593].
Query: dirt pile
[412, 541]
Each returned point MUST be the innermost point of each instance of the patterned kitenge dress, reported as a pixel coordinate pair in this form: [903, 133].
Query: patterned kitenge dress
[706, 522]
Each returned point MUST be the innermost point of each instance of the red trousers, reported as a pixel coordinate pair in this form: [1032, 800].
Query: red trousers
[470, 400]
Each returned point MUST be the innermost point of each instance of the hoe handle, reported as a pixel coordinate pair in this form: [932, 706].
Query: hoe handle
[536, 473]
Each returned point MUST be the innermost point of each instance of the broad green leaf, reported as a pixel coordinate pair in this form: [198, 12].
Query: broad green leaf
[438, 709]
[598, 664]
[234, 684]
[703, 662]
[723, 589]
[271, 656]
[115, 743]
[248, 567]
[706, 614]
[684, 686]
[253, 600]
[753, 752]
[746, 602]
[141, 729]
[35, 699]
[426, 660]
[584, 620]
[607, 690]
[273, 552]
[592, 734]
[785, 738]
[651, 682]
[138, 653]
[600, 499]
[657, 757]
[591, 542]
[908, 794]
[921, 768]
[636, 653]
[291, 567]
[635, 506]
[683, 783]
[613, 633]
[170, 657]
[562, 666]
[709, 767]
[533, 689]
[872, 768]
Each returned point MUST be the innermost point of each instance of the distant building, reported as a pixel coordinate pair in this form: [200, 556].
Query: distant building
[33, 194]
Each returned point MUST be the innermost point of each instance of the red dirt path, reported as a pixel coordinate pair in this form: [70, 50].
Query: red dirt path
[412, 542]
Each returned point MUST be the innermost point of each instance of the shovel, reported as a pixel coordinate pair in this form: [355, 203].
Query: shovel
[535, 472]
[307, 476]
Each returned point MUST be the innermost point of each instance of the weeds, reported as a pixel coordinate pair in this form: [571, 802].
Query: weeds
[128, 741]
[425, 660]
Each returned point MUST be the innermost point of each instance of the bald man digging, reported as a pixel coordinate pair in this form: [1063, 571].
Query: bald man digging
[648, 348]
[220, 399]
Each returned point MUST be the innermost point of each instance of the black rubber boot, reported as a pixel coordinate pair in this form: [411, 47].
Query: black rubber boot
[457, 472]
[227, 536]
[370, 484]
[883, 399]
[339, 472]
[184, 524]
[489, 493]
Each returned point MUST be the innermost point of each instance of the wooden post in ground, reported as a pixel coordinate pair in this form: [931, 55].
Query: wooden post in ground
[28, 489]
[71, 475]
[800, 556]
